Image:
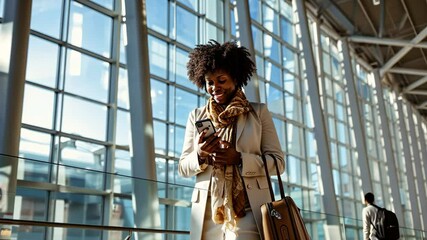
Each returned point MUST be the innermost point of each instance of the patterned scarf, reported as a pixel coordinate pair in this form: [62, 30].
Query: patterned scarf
[227, 190]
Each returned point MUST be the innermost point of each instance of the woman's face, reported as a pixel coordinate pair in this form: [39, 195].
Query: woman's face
[220, 86]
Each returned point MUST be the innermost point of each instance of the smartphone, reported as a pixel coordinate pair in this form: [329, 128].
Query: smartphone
[205, 124]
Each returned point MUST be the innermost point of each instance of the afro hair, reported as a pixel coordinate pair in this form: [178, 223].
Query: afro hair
[228, 57]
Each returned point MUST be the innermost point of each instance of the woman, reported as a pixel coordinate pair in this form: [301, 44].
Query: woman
[230, 177]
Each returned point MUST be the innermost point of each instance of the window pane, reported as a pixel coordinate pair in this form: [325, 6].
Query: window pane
[286, 9]
[156, 8]
[46, 16]
[123, 213]
[280, 129]
[122, 166]
[293, 108]
[2, 8]
[326, 63]
[272, 73]
[342, 132]
[123, 89]
[178, 68]
[38, 107]
[80, 163]
[310, 142]
[291, 84]
[90, 29]
[79, 209]
[271, 48]
[275, 100]
[215, 11]
[289, 60]
[257, 38]
[270, 19]
[35, 145]
[123, 36]
[158, 56]
[161, 172]
[295, 144]
[233, 22]
[254, 10]
[32, 206]
[190, 3]
[159, 99]
[159, 137]
[87, 76]
[287, 31]
[123, 130]
[42, 62]
[259, 66]
[340, 113]
[294, 169]
[105, 3]
[176, 140]
[183, 103]
[344, 158]
[186, 27]
[84, 118]
[212, 32]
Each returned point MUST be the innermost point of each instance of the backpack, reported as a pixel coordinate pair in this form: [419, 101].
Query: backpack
[386, 226]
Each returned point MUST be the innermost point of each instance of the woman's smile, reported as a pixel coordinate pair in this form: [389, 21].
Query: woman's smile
[221, 86]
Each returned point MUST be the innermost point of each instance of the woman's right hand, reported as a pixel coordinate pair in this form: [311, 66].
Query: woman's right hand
[209, 145]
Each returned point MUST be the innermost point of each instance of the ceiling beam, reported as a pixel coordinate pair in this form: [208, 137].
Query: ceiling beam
[368, 18]
[386, 41]
[382, 18]
[335, 13]
[422, 105]
[399, 55]
[415, 84]
[416, 92]
[409, 71]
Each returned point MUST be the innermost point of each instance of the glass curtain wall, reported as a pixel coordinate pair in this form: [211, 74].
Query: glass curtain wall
[341, 135]
[74, 98]
[281, 88]
[76, 109]
[76, 114]
[396, 137]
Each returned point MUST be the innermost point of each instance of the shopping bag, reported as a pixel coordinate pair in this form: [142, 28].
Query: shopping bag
[281, 219]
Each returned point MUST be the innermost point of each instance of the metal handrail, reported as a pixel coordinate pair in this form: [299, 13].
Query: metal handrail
[88, 226]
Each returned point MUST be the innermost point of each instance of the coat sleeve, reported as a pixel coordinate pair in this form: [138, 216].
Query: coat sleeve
[252, 163]
[188, 165]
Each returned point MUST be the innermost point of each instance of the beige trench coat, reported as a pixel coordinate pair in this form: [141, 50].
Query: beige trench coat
[256, 135]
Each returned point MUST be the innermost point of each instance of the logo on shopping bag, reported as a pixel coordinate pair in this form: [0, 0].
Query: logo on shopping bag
[275, 213]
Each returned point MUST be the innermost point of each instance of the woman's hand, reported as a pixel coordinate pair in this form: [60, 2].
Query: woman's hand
[226, 154]
[207, 146]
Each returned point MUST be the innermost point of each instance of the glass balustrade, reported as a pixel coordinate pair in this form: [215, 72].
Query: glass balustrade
[88, 204]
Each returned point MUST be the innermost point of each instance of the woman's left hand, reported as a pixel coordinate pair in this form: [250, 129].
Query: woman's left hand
[226, 154]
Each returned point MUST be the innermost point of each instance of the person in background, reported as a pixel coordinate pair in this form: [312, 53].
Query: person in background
[230, 178]
[369, 215]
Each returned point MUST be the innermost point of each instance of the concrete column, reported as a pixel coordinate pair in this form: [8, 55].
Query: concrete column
[357, 118]
[407, 158]
[16, 31]
[246, 40]
[423, 150]
[320, 131]
[421, 194]
[145, 195]
[388, 149]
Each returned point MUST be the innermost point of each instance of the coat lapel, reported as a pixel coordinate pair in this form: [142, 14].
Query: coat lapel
[241, 122]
